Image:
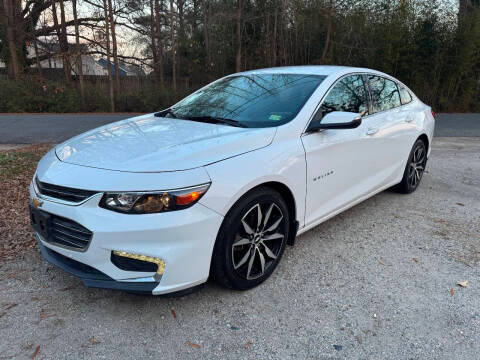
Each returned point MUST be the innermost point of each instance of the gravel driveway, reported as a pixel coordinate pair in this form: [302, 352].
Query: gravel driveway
[376, 282]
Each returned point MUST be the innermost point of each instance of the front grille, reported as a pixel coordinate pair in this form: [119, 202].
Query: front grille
[68, 233]
[63, 192]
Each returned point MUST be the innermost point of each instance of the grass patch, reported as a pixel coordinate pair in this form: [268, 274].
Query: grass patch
[18, 162]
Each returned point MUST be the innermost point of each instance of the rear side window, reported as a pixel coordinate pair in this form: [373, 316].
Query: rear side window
[348, 94]
[385, 95]
[405, 95]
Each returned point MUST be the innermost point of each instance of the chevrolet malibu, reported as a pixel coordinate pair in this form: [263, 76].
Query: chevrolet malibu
[218, 184]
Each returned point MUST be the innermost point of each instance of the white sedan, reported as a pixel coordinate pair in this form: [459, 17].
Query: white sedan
[218, 184]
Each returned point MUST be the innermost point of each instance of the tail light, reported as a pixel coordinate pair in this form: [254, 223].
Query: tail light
[434, 115]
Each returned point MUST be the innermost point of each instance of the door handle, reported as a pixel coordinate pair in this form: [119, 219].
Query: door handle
[372, 131]
[409, 119]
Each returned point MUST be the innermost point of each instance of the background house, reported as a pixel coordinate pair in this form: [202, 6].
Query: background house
[123, 69]
[55, 58]
[52, 58]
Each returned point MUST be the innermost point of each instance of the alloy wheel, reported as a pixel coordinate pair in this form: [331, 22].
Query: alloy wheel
[258, 240]
[417, 165]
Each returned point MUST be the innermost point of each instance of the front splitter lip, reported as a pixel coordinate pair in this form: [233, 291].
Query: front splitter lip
[92, 277]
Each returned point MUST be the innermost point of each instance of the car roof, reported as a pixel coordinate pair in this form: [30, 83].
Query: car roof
[325, 70]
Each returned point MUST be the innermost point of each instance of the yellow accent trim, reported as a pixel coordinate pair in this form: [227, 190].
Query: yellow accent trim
[160, 263]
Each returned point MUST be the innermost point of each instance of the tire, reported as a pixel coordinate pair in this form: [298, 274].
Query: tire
[247, 250]
[412, 176]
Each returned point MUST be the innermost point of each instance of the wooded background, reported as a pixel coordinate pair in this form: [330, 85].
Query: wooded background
[431, 45]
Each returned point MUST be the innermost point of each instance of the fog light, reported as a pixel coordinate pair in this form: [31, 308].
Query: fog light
[159, 262]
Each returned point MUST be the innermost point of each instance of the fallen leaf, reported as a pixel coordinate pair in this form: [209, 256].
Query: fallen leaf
[248, 344]
[174, 314]
[196, 346]
[460, 204]
[463, 283]
[68, 288]
[6, 308]
[415, 259]
[37, 350]
[44, 314]
[94, 341]
[381, 263]
[452, 292]
[9, 306]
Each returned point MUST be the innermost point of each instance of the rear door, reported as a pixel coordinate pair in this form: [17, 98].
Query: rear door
[389, 129]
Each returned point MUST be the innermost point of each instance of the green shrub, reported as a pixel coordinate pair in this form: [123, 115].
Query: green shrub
[35, 94]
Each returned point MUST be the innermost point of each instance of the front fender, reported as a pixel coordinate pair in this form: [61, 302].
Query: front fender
[280, 162]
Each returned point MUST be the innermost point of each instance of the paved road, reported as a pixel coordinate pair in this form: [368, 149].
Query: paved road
[372, 283]
[33, 129]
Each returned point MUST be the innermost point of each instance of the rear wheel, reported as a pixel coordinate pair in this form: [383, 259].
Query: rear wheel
[415, 168]
[251, 240]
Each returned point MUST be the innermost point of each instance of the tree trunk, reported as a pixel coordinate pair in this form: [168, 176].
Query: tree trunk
[238, 60]
[329, 32]
[67, 67]
[180, 34]
[153, 33]
[35, 47]
[275, 24]
[174, 49]
[195, 15]
[206, 35]
[109, 67]
[114, 47]
[158, 36]
[79, 59]
[14, 65]
[57, 29]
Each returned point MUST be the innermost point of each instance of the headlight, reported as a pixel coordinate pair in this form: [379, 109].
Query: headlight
[153, 202]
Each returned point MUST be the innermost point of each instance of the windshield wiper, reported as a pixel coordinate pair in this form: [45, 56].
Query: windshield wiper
[166, 112]
[216, 120]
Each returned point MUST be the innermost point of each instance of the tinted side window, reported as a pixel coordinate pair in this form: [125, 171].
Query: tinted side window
[384, 92]
[348, 94]
[405, 96]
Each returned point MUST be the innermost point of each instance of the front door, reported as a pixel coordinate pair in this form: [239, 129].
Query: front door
[340, 162]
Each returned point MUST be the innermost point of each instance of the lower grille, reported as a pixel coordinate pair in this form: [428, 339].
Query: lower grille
[60, 231]
[63, 192]
[68, 233]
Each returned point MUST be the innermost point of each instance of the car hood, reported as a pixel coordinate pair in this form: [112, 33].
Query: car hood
[155, 144]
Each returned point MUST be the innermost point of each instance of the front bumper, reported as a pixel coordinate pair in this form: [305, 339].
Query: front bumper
[92, 277]
[183, 239]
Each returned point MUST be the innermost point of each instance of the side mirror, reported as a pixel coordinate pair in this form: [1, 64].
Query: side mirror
[337, 120]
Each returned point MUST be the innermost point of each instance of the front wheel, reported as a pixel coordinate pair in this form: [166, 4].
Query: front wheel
[415, 168]
[251, 240]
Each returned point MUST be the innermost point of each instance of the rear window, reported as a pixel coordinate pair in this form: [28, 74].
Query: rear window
[385, 95]
[405, 95]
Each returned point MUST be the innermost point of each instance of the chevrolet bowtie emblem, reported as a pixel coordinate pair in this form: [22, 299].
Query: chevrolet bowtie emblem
[37, 203]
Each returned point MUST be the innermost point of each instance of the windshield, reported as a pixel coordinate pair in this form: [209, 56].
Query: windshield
[261, 100]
